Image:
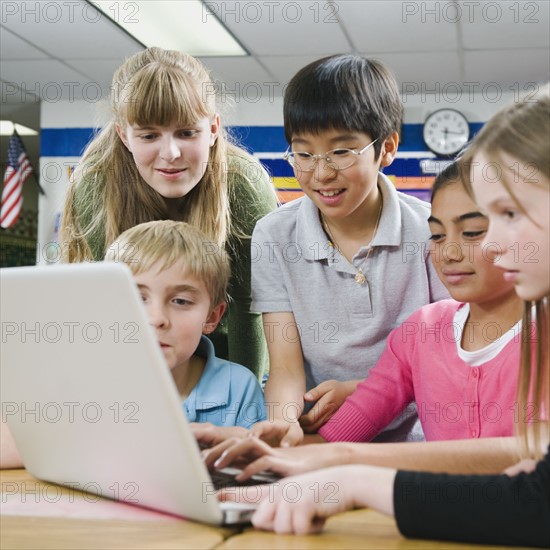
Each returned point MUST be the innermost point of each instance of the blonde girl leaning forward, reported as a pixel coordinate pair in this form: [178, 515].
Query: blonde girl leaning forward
[165, 155]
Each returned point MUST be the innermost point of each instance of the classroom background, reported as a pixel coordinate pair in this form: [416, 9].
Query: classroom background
[57, 61]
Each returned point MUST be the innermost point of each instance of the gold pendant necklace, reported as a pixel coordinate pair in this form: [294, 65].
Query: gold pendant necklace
[360, 277]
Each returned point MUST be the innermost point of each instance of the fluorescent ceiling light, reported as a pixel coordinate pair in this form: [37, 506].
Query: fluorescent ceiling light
[6, 129]
[184, 25]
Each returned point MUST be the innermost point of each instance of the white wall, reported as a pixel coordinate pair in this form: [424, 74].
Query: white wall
[55, 170]
[477, 107]
[235, 111]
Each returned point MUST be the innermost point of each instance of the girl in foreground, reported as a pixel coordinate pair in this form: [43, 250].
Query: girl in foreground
[510, 176]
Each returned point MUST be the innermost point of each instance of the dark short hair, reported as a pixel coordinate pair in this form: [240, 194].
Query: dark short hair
[343, 92]
[452, 173]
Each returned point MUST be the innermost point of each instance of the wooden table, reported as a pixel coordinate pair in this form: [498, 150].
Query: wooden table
[62, 518]
[360, 529]
[27, 523]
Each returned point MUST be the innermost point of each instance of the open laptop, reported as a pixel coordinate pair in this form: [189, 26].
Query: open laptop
[88, 396]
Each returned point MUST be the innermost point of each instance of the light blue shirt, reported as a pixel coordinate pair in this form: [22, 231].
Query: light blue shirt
[227, 394]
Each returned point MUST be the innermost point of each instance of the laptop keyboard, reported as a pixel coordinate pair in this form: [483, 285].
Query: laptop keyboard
[226, 478]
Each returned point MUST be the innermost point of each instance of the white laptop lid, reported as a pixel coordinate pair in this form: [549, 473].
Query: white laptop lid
[88, 396]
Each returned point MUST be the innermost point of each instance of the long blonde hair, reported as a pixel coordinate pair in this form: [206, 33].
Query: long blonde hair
[153, 87]
[522, 131]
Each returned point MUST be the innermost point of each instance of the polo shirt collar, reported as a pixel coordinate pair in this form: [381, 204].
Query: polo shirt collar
[312, 239]
[212, 390]
[389, 229]
[310, 235]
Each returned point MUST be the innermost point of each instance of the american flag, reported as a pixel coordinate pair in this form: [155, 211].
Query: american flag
[18, 170]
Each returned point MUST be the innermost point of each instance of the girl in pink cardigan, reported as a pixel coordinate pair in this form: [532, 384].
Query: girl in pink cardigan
[457, 359]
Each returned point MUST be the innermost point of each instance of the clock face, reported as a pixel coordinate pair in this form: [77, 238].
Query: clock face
[446, 132]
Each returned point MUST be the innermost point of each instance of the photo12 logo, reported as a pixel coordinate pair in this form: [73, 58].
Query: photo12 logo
[454, 92]
[72, 491]
[270, 12]
[70, 11]
[70, 412]
[290, 492]
[69, 332]
[471, 12]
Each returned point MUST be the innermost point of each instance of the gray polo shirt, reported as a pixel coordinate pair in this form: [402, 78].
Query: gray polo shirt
[343, 325]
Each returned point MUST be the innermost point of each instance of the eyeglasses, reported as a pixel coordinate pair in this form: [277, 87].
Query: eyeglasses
[339, 159]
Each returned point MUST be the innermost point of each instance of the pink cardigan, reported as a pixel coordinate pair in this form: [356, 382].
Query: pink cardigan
[421, 363]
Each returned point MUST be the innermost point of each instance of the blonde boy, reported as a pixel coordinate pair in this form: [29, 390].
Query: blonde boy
[183, 278]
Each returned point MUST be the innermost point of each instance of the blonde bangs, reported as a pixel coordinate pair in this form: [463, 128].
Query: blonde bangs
[166, 95]
[153, 87]
[162, 244]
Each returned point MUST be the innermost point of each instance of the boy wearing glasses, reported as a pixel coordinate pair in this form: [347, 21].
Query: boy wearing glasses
[339, 268]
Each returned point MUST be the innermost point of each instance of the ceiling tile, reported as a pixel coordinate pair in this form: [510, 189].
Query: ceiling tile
[97, 70]
[285, 28]
[505, 25]
[240, 79]
[509, 69]
[236, 71]
[285, 67]
[418, 40]
[420, 71]
[51, 80]
[13, 47]
[74, 29]
[383, 26]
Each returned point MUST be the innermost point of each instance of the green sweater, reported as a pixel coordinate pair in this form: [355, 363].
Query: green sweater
[239, 337]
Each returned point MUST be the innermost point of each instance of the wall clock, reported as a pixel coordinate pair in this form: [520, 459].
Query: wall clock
[446, 131]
